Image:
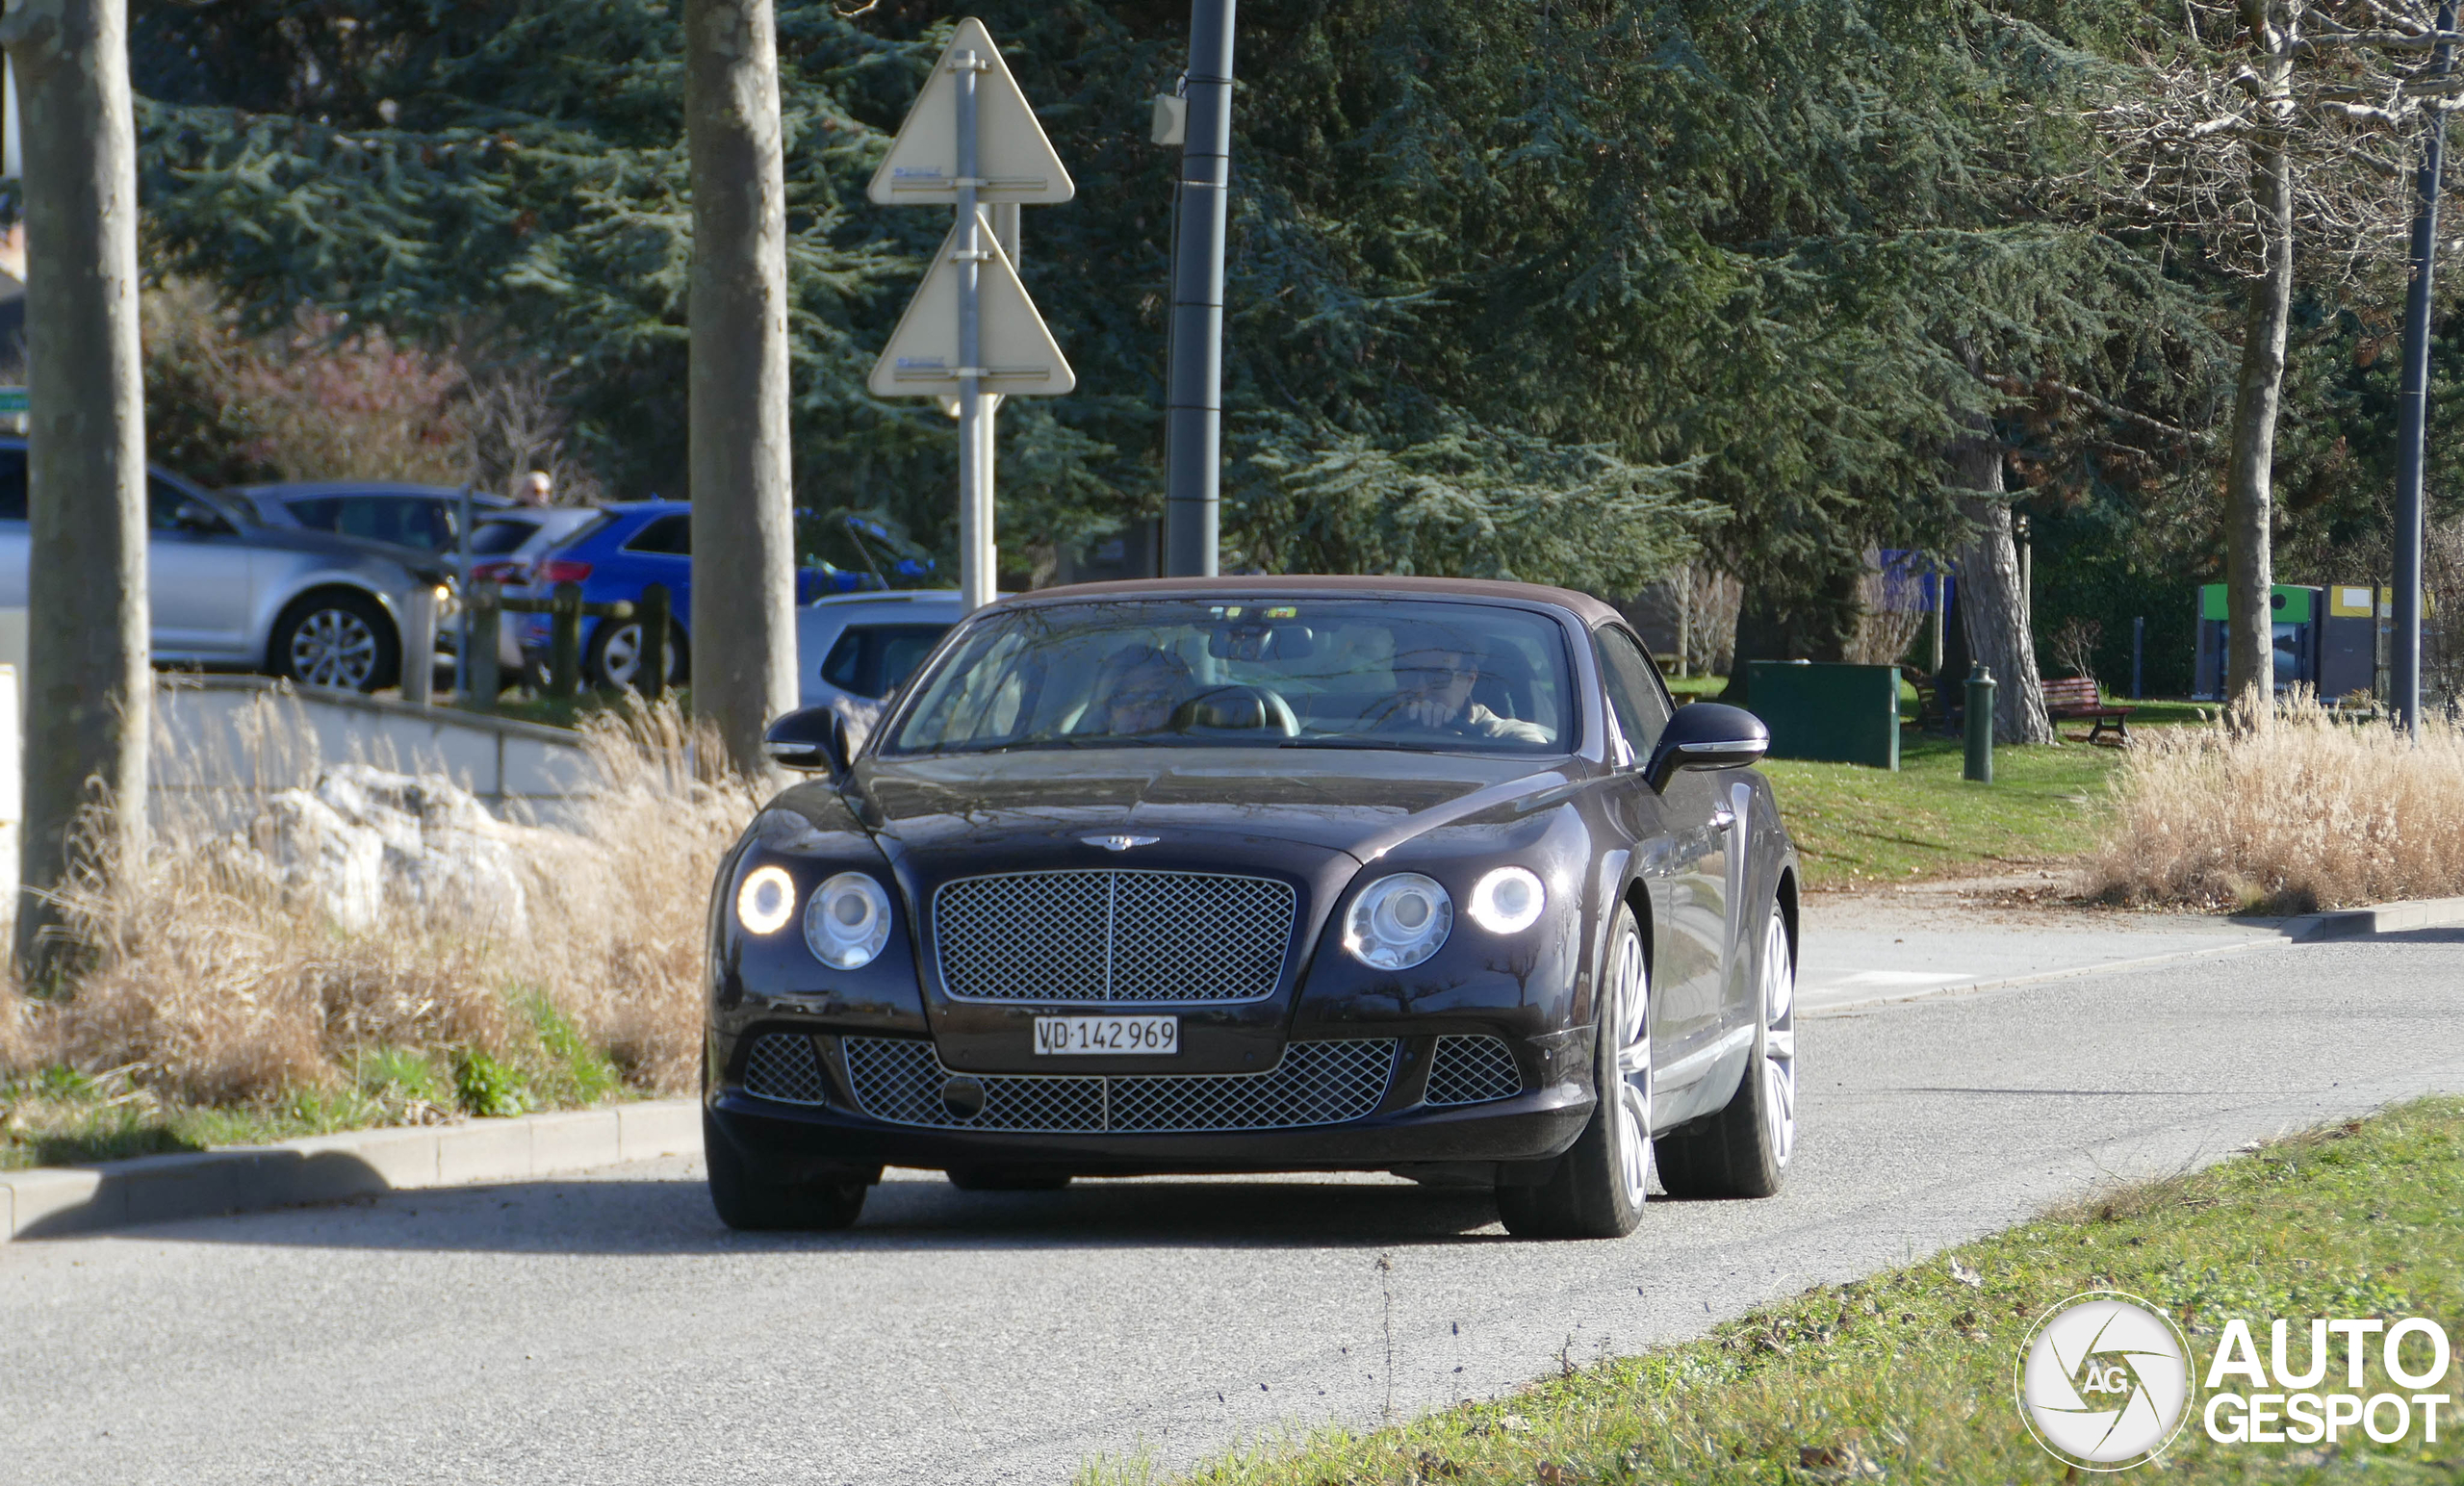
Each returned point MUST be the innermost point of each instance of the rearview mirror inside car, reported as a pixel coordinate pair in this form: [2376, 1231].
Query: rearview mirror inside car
[813, 739]
[1706, 735]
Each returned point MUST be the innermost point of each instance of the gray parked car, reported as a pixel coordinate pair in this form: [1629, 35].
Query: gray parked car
[232, 592]
[421, 516]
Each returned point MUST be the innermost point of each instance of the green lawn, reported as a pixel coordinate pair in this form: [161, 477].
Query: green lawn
[1854, 826]
[61, 1116]
[1907, 1377]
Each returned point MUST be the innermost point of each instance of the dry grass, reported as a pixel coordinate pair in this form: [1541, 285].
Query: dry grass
[211, 979]
[2289, 818]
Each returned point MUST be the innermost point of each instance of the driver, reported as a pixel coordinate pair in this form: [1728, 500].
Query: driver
[1433, 681]
[1140, 687]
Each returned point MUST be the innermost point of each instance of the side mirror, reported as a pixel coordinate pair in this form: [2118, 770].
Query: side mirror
[199, 517]
[1707, 735]
[811, 739]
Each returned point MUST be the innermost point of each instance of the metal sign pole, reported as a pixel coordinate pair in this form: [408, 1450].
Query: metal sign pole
[2411, 412]
[975, 486]
[462, 615]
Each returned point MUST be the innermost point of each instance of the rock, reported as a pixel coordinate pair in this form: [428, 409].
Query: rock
[368, 843]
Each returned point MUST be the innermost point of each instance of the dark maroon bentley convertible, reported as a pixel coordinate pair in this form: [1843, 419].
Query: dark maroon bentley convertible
[1422, 876]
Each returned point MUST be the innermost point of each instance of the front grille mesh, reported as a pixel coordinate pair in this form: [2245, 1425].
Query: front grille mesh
[1113, 936]
[781, 1066]
[899, 1079]
[1473, 1070]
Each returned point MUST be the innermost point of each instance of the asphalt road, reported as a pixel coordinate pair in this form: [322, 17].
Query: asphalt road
[610, 1330]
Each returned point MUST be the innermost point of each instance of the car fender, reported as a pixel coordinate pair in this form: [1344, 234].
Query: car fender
[289, 574]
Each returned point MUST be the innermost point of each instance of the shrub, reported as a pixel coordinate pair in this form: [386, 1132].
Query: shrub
[319, 398]
[213, 980]
[2307, 813]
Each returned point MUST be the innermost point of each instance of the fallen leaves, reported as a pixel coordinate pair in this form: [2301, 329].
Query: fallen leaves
[1838, 1463]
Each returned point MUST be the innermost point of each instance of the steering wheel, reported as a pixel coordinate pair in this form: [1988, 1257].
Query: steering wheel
[1232, 711]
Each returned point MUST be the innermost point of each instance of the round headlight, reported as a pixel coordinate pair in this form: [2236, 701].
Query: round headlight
[766, 901]
[1507, 901]
[1399, 921]
[847, 922]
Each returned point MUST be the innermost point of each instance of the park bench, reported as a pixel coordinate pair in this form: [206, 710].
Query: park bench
[2073, 697]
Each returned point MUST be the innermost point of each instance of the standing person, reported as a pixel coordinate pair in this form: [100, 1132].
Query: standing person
[536, 488]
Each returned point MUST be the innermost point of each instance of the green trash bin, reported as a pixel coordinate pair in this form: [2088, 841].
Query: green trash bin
[1828, 712]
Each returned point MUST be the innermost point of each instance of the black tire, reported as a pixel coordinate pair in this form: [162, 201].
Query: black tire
[1741, 1151]
[1007, 1179]
[1590, 1193]
[615, 649]
[749, 1202]
[336, 637]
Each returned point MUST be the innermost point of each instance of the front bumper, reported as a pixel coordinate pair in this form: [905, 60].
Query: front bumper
[1507, 1138]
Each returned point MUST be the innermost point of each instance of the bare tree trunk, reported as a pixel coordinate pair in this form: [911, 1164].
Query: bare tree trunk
[744, 621]
[1994, 604]
[2250, 563]
[89, 684]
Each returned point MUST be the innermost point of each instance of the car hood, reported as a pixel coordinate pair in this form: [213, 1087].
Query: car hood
[336, 547]
[936, 816]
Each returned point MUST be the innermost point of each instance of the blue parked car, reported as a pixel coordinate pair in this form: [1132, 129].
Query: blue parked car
[632, 544]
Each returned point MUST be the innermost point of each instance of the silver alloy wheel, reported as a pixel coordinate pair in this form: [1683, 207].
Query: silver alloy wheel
[1779, 1040]
[334, 648]
[620, 658]
[1630, 1020]
[621, 655]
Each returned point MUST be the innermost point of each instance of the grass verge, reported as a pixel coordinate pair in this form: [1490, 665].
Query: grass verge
[1856, 826]
[1906, 1376]
[61, 1116]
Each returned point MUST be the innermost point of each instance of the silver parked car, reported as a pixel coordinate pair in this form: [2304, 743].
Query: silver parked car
[233, 592]
[854, 651]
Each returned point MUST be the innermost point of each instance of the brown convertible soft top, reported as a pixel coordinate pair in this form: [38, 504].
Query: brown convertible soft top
[1264, 585]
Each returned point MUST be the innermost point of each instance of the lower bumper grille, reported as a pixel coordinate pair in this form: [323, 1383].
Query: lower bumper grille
[1473, 1070]
[783, 1066]
[901, 1079]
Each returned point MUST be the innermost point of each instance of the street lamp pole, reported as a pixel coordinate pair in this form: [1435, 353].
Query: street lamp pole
[2405, 661]
[1194, 403]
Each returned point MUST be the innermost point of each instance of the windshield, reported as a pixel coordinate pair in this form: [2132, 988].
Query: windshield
[496, 538]
[1338, 673]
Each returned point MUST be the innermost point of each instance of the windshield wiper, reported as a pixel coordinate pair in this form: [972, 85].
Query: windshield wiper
[1381, 745]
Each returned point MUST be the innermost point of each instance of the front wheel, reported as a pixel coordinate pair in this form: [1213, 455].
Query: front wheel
[338, 639]
[1743, 1150]
[749, 1200]
[1598, 1187]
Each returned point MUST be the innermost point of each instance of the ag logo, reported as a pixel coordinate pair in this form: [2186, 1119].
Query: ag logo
[2104, 1381]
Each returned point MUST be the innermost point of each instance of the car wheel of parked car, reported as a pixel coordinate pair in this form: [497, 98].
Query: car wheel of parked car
[1743, 1150]
[616, 654]
[338, 639]
[749, 1200]
[1598, 1187]
[1007, 1179]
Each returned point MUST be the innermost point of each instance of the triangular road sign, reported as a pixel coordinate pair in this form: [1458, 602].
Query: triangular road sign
[1013, 161]
[1020, 358]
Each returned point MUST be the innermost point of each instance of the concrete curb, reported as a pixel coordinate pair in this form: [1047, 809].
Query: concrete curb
[2378, 918]
[48, 1201]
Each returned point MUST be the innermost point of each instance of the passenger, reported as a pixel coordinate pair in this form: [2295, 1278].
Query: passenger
[1139, 690]
[1433, 681]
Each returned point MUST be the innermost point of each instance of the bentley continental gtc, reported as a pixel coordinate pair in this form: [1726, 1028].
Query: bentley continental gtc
[1421, 876]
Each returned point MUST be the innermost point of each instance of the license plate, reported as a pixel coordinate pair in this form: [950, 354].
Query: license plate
[1144, 1037]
